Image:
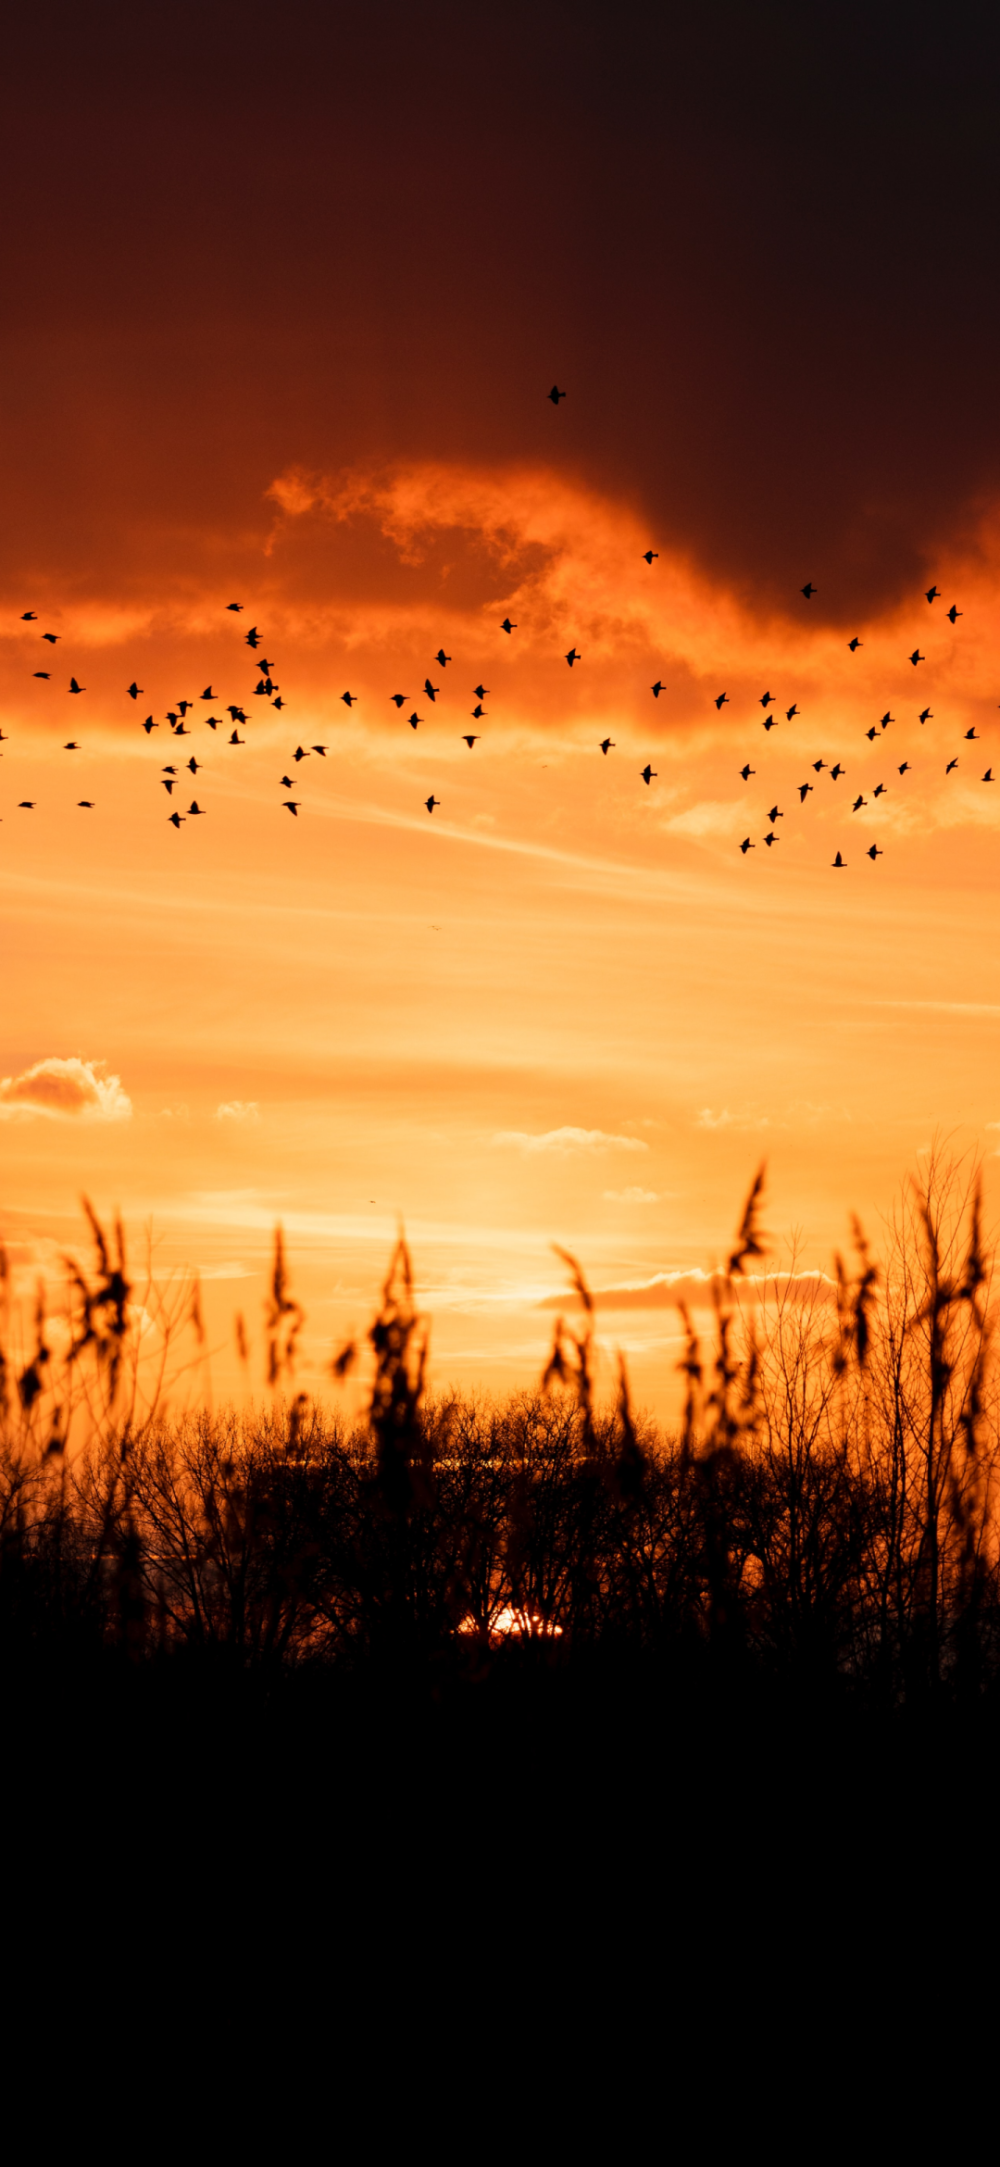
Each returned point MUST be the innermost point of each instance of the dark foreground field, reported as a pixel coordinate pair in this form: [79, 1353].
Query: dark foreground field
[533, 1599]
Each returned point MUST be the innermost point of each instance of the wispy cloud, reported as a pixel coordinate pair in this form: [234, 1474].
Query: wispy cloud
[245, 1111]
[697, 1290]
[567, 1143]
[708, 1119]
[65, 1090]
[631, 1196]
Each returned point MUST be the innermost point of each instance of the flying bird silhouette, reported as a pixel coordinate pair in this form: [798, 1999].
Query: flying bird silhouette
[431, 690]
[193, 765]
[722, 699]
[506, 626]
[747, 771]
[414, 719]
[988, 777]
[149, 725]
[41, 673]
[873, 853]
[234, 605]
[478, 711]
[951, 764]
[287, 783]
[855, 644]
[880, 790]
[649, 554]
[572, 657]
[555, 394]
[971, 737]
[808, 590]
[321, 749]
[52, 637]
[871, 734]
[208, 694]
[766, 699]
[905, 769]
[236, 739]
[839, 862]
[28, 616]
[917, 657]
[648, 774]
[442, 657]
[300, 753]
[925, 715]
[470, 741]
[836, 772]
[74, 687]
[253, 637]
[953, 613]
[175, 819]
[791, 712]
[858, 803]
[886, 719]
[747, 845]
[72, 746]
[84, 805]
[291, 807]
[27, 805]
[774, 815]
[134, 690]
[482, 692]
[399, 699]
[932, 593]
[195, 810]
[657, 688]
[769, 839]
[803, 790]
[818, 766]
[349, 698]
[607, 745]
[431, 802]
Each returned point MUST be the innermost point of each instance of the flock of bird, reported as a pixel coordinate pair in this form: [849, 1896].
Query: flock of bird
[173, 772]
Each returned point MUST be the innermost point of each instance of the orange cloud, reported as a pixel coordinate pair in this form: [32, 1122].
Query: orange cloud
[70, 1089]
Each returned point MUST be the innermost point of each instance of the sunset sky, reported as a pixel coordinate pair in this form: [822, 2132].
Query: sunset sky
[284, 292]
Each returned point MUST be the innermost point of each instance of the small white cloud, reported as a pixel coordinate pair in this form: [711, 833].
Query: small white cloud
[567, 1143]
[65, 1090]
[725, 1120]
[243, 1110]
[631, 1196]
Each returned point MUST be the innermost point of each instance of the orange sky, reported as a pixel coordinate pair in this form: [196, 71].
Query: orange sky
[564, 1007]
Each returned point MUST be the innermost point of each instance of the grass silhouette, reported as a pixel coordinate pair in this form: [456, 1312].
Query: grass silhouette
[819, 1534]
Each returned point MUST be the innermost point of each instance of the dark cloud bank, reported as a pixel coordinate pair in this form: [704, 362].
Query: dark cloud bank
[756, 243]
